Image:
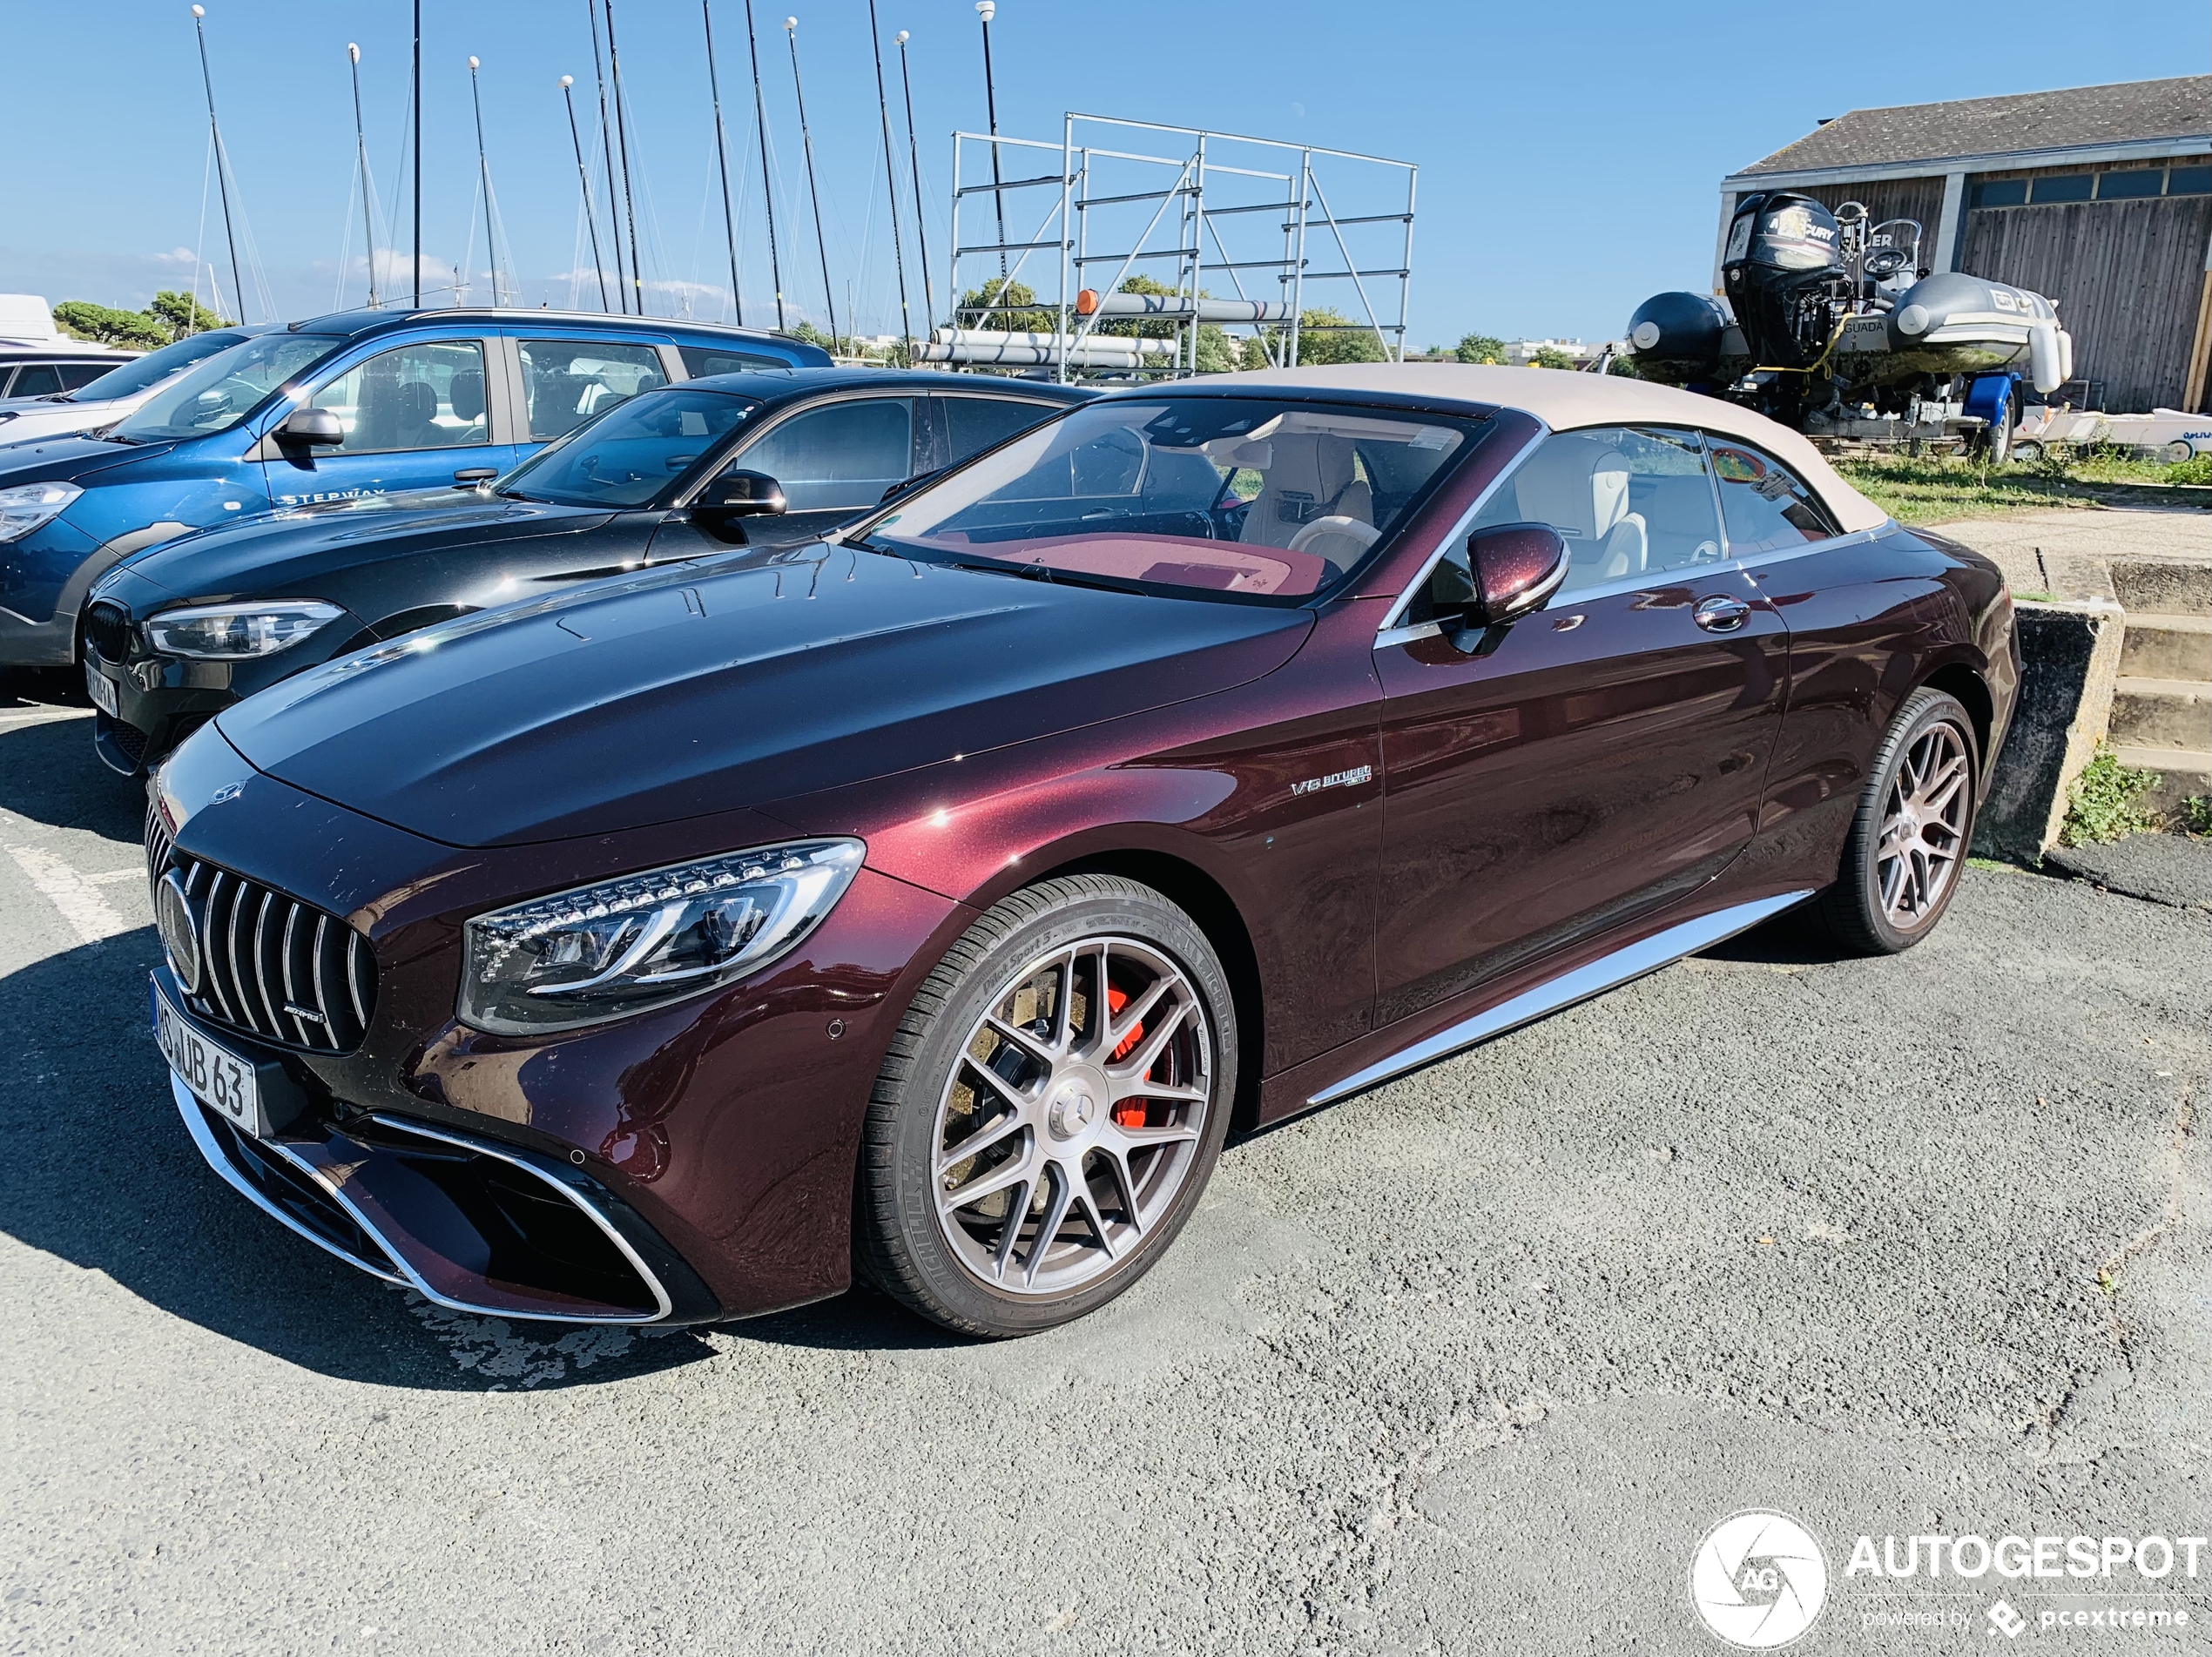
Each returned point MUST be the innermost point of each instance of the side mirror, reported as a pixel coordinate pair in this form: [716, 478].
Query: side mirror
[1517, 567]
[311, 426]
[740, 495]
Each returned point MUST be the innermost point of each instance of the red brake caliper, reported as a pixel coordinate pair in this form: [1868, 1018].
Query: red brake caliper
[1129, 1113]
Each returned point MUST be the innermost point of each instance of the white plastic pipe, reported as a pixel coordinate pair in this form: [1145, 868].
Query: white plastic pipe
[1112, 344]
[1025, 356]
[1091, 302]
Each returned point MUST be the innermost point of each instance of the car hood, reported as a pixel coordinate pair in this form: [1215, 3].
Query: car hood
[308, 551]
[727, 683]
[66, 456]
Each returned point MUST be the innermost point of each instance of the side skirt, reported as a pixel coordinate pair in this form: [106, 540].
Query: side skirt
[1594, 977]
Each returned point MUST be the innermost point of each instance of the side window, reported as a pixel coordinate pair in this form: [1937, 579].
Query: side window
[36, 380]
[567, 381]
[844, 454]
[413, 396]
[699, 360]
[1763, 505]
[973, 424]
[75, 375]
[1627, 500]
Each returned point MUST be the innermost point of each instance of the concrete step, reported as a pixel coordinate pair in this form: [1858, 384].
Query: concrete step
[2161, 713]
[2170, 588]
[2182, 774]
[2166, 647]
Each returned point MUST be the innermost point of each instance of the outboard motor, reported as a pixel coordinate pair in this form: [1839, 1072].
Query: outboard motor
[1785, 277]
[1676, 338]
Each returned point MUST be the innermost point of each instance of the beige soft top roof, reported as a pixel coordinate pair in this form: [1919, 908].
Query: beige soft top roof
[1565, 401]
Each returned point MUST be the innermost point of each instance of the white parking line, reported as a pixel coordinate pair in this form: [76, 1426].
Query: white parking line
[70, 893]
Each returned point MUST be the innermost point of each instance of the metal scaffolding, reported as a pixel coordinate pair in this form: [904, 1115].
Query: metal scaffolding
[1227, 210]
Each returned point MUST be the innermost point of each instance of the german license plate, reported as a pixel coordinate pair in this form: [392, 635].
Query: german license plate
[101, 688]
[219, 1078]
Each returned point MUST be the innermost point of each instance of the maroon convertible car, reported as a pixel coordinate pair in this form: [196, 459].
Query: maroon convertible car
[931, 901]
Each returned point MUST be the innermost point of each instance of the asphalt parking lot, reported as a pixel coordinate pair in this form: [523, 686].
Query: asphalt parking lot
[1467, 1363]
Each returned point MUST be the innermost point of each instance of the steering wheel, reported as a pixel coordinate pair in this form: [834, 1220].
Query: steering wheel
[1362, 534]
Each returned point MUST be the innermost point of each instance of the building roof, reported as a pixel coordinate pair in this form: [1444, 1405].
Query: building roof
[1564, 400]
[2073, 117]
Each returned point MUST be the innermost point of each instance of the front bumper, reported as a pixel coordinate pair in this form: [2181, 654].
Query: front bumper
[163, 699]
[469, 1224]
[726, 1127]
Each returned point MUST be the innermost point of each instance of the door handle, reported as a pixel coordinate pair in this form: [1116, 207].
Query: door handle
[1722, 614]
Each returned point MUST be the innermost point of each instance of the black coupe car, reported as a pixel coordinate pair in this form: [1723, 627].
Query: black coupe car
[175, 636]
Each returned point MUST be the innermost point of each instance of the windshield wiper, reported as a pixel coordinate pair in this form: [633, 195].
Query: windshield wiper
[516, 495]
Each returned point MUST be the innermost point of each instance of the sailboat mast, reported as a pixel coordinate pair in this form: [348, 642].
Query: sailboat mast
[767, 176]
[222, 167]
[622, 138]
[607, 151]
[806, 142]
[584, 178]
[891, 182]
[418, 153]
[484, 176]
[361, 148]
[722, 158]
[913, 155]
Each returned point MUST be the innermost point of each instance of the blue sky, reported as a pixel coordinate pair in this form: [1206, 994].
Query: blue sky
[1569, 154]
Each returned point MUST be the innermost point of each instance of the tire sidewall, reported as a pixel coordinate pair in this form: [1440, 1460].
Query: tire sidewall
[1134, 911]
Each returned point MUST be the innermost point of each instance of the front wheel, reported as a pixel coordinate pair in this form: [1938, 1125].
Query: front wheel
[1050, 1109]
[1909, 836]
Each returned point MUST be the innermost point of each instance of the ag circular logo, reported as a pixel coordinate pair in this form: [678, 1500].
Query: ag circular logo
[1758, 1579]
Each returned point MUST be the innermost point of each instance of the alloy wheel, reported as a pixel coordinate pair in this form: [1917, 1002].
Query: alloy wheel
[1073, 1116]
[1924, 827]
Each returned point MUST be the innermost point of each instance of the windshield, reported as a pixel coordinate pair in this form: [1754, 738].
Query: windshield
[632, 453]
[143, 374]
[225, 388]
[1247, 497]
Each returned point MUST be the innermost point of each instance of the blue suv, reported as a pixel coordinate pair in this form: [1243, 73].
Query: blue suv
[360, 403]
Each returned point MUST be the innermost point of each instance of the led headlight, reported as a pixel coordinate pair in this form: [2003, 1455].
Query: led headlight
[225, 632]
[644, 940]
[28, 505]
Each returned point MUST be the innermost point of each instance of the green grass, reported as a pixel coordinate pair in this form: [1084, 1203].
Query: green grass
[1932, 488]
[2102, 804]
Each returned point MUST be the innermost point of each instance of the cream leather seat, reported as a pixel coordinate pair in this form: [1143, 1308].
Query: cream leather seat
[1309, 476]
[1579, 487]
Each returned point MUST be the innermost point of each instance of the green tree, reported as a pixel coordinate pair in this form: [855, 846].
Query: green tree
[183, 314]
[1018, 320]
[1479, 348]
[1547, 356]
[1326, 336]
[82, 319]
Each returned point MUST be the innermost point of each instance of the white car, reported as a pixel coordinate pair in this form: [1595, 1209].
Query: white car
[114, 394]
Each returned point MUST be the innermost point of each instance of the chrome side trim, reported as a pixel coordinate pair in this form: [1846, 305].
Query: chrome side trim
[196, 1125]
[1595, 978]
[662, 1303]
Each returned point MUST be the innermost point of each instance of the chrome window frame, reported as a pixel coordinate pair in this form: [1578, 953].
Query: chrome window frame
[1394, 630]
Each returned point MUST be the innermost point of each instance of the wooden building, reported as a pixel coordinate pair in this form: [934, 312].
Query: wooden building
[2099, 198]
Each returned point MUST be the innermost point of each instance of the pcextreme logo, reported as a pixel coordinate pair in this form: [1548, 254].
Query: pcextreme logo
[1758, 1579]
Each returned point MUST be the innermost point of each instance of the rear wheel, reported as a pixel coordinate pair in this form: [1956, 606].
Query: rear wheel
[1050, 1109]
[1909, 836]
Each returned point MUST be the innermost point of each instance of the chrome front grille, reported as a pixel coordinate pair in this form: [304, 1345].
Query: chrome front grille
[270, 966]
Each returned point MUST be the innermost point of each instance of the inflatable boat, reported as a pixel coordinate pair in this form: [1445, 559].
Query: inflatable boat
[1825, 313]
